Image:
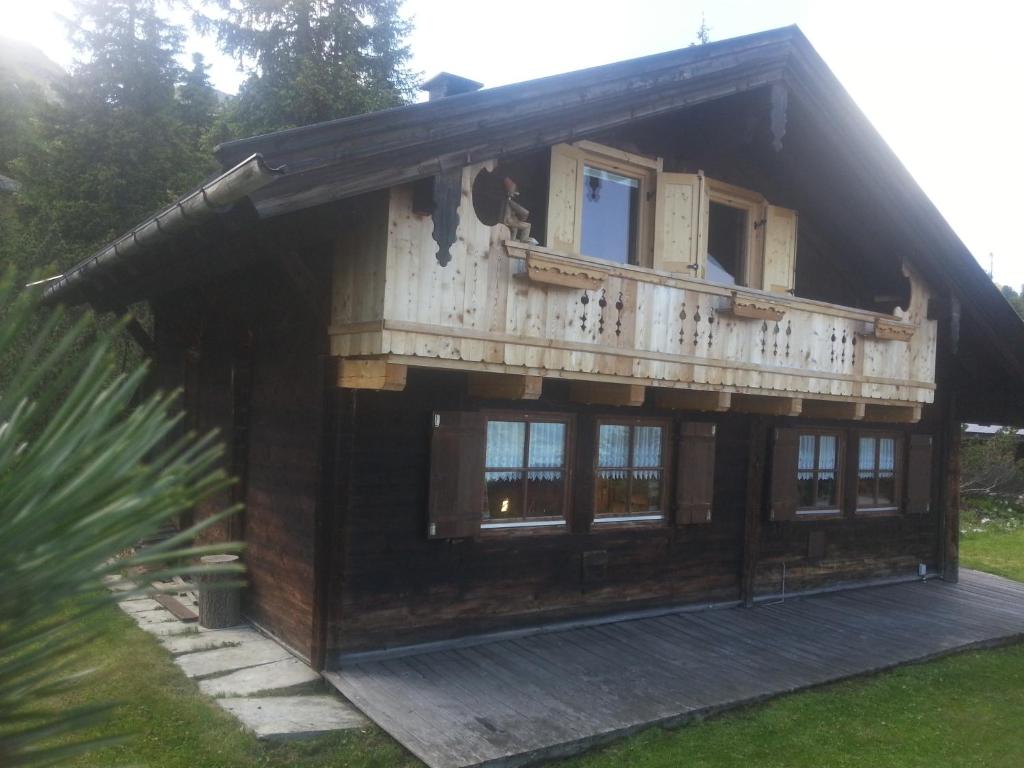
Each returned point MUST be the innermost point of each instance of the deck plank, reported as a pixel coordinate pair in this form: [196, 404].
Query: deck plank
[513, 701]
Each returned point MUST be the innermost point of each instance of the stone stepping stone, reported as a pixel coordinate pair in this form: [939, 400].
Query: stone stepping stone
[251, 653]
[148, 618]
[284, 675]
[139, 604]
[207, 640]
[294, 717]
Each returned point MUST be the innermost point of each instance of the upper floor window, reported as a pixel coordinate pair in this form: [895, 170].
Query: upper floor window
[610, 216]
[622, 207]
[525, 464]
[599, 202]
[630, 472]
[877, 473]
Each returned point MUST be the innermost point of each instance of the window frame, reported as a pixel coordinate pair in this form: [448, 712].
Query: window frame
[663, 518]
[753, 204]
[536, 524]
[837, 512]
[899, 446]
[644, 170]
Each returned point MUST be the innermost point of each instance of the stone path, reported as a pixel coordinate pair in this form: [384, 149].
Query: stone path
[271, 692]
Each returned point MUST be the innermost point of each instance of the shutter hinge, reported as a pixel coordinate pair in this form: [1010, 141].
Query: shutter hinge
[433, 529]
[437, 420]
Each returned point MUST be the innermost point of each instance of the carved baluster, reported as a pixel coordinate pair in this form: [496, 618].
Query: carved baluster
[584, 300]
[789, 332]
[602, 303]
[618, 320]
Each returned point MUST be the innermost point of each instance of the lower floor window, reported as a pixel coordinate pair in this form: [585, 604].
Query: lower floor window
[629, 472]
[525, 472]
[877, 466]
[818, 473]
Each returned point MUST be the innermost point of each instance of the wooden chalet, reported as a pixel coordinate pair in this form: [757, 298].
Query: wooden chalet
[728, 358]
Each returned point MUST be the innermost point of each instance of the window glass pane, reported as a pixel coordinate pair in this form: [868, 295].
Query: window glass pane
[826, 490]
[611, 492]
[613, 445]
[827, 448]
[646, 496]
[610, 202]
[805, 491]
[866, 454]
[727, 243]
[506, 441]
[866, 489]
[887, 454]
[805, 462]
[504, 495]
[547, 445]
[647, 446]
[545, 495]
[887, 489]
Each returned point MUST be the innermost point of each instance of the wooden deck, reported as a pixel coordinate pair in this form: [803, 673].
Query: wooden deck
[519, 700]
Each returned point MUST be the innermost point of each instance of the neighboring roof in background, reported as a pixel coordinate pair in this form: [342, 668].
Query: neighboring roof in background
[984, 430]
[7, 184]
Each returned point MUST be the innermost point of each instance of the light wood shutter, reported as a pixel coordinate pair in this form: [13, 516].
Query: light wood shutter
[780, 235]
[784, 463]
[695, 473]
[919, 475]
[565, 199]
[456, 475]
[680, 221]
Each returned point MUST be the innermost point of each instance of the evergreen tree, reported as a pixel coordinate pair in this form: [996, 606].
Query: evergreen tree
[313, 60]
[114, 147]
[198, 99]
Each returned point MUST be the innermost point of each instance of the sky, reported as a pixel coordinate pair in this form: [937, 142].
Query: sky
[939, 80]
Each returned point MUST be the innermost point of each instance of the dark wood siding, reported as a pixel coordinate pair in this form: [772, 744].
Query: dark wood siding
[395, 585]
[254, 321]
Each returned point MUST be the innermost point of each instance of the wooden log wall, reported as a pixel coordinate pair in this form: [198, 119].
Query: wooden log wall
[258, 310]
[393, 585]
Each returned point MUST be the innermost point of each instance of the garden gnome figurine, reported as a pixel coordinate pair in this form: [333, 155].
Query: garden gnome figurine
[514, 216]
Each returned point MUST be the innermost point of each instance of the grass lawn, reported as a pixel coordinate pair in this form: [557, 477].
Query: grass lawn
[992, 538]
[962, 711]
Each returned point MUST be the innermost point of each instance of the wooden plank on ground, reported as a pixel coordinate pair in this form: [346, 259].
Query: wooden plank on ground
[176, 607]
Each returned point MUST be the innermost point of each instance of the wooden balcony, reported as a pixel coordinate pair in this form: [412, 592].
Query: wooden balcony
[511, 308]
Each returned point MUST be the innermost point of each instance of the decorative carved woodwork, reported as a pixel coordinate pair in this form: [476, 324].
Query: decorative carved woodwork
[753, 308]
[560, 271]
[893, 330]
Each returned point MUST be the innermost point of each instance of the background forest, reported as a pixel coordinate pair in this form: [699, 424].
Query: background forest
[86, 154]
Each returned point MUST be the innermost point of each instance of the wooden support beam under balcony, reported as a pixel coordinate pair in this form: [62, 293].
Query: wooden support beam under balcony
[767, 405]
[355, 373]
[504, 386]
[833, 409]
[602, 393]
[692, 400]
[893, 414]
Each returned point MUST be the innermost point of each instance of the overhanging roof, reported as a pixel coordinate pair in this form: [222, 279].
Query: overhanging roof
[343, 158]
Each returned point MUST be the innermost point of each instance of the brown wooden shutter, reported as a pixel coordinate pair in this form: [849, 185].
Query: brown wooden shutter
[919, 475]
[456, 475]
[695, 473]
[784, 463]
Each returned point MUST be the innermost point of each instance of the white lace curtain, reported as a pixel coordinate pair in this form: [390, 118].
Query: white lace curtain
[506, 446]
[613, 451]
